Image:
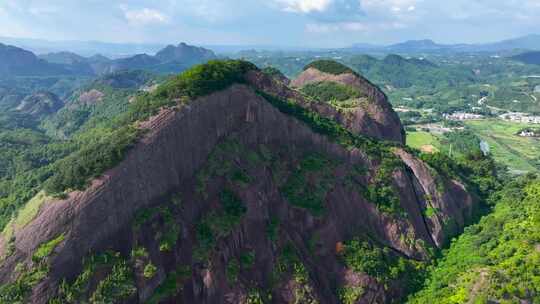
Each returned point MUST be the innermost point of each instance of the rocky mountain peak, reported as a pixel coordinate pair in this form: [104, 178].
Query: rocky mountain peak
[184, 53]
[358, 104]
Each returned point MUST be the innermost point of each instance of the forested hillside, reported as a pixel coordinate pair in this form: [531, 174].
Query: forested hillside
[496, 260]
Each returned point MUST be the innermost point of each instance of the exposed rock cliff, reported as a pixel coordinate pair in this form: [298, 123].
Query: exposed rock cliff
[229, 199]
[373, 116]
[40, 104]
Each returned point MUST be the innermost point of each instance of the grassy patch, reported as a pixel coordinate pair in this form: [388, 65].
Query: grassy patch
[45, 249]
[423, 141]
[25, 215]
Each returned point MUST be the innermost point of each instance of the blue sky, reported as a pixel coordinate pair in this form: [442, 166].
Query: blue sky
[313, 23]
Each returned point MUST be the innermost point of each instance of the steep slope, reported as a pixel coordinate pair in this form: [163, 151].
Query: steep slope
[496, 260]
[238, 196]
[40, 104]
[366, 111]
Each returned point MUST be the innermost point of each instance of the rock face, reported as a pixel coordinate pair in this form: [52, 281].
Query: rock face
[235, 141]
[40, 104]
[375, 118]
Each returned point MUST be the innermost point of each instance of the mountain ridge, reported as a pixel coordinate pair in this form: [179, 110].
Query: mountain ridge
[172, 166]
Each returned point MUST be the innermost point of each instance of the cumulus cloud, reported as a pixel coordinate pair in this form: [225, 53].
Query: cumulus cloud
[144, 16]
[305, 6]
[328, 11]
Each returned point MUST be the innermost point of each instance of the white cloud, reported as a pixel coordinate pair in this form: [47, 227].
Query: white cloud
[144, 16]
[340, 27]
[305, 6]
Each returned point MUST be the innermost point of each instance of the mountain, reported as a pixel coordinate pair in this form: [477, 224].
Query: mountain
[84, 48]
[528, 57]
[185, 53]
[18, 62]
[170, 60]
[529, 42]
[224, 185]
[101, 100]
[367, 112]
[78, 65]
[15, 61]
[63, 58]
[415, 46]
[137, 62]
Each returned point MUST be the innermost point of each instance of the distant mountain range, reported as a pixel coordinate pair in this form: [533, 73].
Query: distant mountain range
[528, 57]
[15, 61]
[530, 42]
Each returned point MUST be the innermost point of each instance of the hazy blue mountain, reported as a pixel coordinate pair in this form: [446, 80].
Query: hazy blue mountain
[528, 57]
[15, 61]
[529, 42]
[77, 64]
[185, 53]
[84, 48]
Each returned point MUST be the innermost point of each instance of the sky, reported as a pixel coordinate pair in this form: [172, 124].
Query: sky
[302, 23]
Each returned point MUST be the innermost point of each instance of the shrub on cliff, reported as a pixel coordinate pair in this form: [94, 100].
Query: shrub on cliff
[330, 91]
[330, 67]
[198, 81]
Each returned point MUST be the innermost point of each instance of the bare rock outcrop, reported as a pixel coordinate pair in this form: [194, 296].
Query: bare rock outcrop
[375, 118]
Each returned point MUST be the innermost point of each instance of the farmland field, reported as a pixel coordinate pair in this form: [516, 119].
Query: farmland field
[518, 153]
[424, 141]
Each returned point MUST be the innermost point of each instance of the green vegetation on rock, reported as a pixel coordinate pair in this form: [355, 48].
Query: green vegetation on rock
[28, 276]
[309, 184]
[116, 281]
[330, 67]
[328, 91]
[381, 263]
[171, 286]
[219, 223]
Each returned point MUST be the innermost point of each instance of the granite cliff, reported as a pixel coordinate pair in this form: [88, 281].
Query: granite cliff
[257, 193]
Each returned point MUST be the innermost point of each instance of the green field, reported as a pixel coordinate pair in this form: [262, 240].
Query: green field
[423, 140]
[518, 153]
